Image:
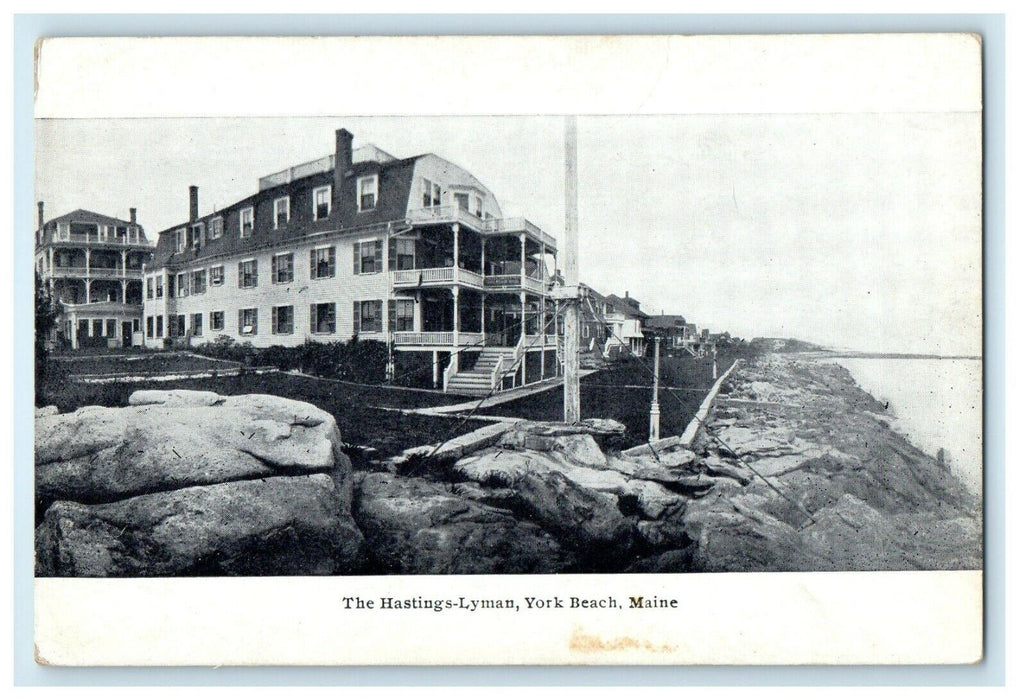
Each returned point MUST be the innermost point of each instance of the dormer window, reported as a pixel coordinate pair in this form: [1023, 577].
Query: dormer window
[431, 193]
[216, 227]
[197, 234]
[246, 222]
[281, 212]
[180, 240]
[462, 200]
[478, 207]
[367, 193]
[321, 203]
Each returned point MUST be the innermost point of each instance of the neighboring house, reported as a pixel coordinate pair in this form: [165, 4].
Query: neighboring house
[93, 264]
[593, 322]
[414, 252]
[671, 329]
[624, 322]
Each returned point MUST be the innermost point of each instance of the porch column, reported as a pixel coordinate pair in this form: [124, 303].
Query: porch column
[455, 316]
[455, 251]
[523, 259]
[87, 260]
[418, 315]
[88, 289]
[434, 368]
[124, 291]
[482, 314]
[124, 262]
[74, 331]
[482, 257]
[523, 314]
[50, 253]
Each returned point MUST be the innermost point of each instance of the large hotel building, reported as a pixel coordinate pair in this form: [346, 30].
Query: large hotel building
[414, 252]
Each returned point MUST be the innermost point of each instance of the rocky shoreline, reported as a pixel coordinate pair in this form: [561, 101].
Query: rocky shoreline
[798, 470]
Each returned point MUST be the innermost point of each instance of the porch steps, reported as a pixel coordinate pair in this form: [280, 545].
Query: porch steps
[477, 381]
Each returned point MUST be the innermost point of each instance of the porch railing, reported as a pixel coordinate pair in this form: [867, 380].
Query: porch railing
[453, 213]
[422, 338]
[463, 338]
[436, 276]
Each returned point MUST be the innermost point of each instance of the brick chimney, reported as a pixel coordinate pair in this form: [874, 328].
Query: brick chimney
[131, 215]
[40, 205]
[343, 161]
[193, 203]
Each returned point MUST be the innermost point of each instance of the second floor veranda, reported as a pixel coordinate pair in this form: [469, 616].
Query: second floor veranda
[447, 255]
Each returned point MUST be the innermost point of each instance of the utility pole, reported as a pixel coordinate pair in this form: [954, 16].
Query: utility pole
[571, 319]
[653, 415]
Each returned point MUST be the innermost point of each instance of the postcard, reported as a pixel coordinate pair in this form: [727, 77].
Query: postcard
[509, 350]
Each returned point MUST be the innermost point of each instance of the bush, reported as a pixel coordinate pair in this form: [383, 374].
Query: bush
[414, 369]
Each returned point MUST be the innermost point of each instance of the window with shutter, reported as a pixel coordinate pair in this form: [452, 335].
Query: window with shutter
[322, 318]
[404, 315]
[391, 315]
[356, 318]
[322, 263]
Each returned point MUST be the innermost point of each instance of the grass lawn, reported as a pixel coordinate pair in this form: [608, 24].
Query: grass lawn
[604, 394]
[142, 364]
[359, 423]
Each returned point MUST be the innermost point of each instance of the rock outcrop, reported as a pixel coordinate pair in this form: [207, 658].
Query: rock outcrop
[795, 469]
[189, 483]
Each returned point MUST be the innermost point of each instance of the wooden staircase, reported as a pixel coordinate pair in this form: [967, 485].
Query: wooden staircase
[477, 380]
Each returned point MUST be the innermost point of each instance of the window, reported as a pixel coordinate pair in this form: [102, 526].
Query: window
[112, 328]
[197, 324]
[197, 234]
[247, 274]
[478, 206]
[367, 316]
[217, 276]
[160, 326]
[400, 314]
[182, 284]
[367, 193]
[180, 240]
[149, 326]
[149, 287]
[199, 281]
[217, 320]
[121, 232]
[366, 257]
[463, 200]
[402, 253]
[281, 212]
[321, 203]
[431, 193]
[160, 286]
[281, 320]
[246, 222]
[281, 268]
[322, 318]
[247, 321]
[322, 263]
[216, 228]
[178, 328]
[135, 325]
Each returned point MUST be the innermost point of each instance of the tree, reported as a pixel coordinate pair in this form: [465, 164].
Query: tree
[47, 311]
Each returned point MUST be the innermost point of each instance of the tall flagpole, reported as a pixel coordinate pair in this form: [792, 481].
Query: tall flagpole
[571, 319]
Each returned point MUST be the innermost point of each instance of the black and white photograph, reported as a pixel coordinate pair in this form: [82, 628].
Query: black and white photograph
[373, 348]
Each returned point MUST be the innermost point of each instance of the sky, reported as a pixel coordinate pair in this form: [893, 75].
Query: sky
[858, 231]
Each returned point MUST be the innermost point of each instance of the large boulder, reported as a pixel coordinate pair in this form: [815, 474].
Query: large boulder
[579, 504]
[175, 439]
[188, 483]
[415, 526]
[281, 526]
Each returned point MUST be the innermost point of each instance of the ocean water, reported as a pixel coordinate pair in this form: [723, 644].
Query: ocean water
[937, 404]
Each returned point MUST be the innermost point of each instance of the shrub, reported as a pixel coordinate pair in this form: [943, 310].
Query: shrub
[413, 369]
